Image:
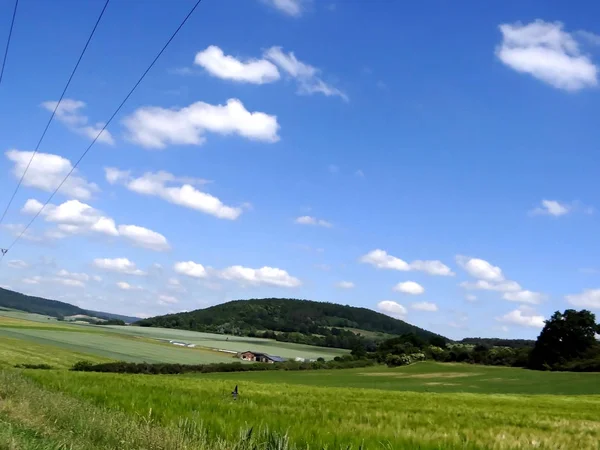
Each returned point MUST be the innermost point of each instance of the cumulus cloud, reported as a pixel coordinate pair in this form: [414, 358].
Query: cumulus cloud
[47, 171]
[167, 300]
[293, 8]
[546, 52]
[524, 296]
[73, 275]
[481, 269]
[160, 184]
[69, 113]
[484, 285]
[424, 306]
[255, 71]
[382, 260]
[144, 237]
[345, 285]
[264, 276]
[523, 317]
[75, 217]
[306, 76]
[409, 287]
[557, 209]
[552, 208]
[123, 285]
[120, 265]
[17, 264]
[309, 220]
[156, 127]
[191, 269]
[589, 298]
[392, 308]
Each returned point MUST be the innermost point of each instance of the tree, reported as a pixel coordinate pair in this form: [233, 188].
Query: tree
[566, 337]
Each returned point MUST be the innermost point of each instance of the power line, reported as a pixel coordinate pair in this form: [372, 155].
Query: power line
[106, 124]
[54, 112]
[12, 24]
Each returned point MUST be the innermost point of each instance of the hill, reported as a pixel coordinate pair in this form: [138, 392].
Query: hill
[291, 320]
[53, 308]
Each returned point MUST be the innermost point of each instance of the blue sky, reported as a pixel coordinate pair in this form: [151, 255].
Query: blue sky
[431, 161]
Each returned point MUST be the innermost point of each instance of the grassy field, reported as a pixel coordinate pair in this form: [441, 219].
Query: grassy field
[339, 416]
[433, 377]
[136, 344]
[424, 406]
[234, 343]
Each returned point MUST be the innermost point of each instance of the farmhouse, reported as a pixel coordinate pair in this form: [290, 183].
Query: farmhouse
[259, 357]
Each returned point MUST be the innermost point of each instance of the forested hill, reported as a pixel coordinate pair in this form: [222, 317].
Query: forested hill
[302, 321]
[15, 300]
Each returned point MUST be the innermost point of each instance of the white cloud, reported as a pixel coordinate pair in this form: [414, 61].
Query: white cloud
[380, 259]
[431, 267]
[523, 317]
[263, 276]
[174, 282]
[309, 220]
[18, 264]
[545, 51]
[392, 308]
[32, 280]
[552, 208]
[256, 71]
[409, 287]
[121, 265]
[471, 298]
[69, 113]
[70, 282]
[589, 298]
[359, 173]
[424, 306]
[167, 299]
[345, 285]
[128, 287]
[305, 75]
[144, 237]
[191, 269]
[524, 296]
[158, 184]
[156, 127]
[483, 285]
[75, 217]
[47, 171]
[481, 269]
[293, 8]
[73, 275]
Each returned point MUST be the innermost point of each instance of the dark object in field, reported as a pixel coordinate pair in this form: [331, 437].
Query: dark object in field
[234, 394]
[34, 366]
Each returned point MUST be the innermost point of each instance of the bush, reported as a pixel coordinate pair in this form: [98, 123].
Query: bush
[34, 366]
[174, 369]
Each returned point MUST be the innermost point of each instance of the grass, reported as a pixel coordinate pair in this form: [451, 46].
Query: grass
[115, 347]
[233, 343]
[16, 351]
[423, 406]
[337, 417]
[433, 377]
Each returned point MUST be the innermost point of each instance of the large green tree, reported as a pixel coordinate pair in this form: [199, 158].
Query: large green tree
[566, 337]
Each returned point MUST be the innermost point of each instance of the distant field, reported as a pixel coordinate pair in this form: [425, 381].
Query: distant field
[233, 343]
[125, 348]
[433, 377]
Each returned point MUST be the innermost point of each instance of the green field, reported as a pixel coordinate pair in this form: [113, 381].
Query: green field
[425, 405]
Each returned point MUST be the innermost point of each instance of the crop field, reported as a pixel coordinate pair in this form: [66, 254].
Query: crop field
[233, 343]
[425, 405]
[315, 416]
[109, 346]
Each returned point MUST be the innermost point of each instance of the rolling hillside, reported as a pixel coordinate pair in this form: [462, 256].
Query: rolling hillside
[303, 321]
[15, 300]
